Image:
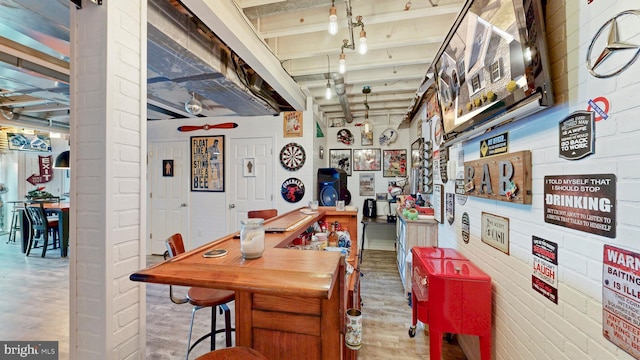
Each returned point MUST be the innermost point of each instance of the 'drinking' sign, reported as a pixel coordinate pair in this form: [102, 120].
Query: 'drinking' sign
[582, 202]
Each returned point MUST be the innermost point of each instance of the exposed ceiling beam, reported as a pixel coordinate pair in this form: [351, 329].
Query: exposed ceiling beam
[399, 16]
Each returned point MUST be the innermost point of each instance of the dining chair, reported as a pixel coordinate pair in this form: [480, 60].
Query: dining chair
[263, 214]
[234, 353]
[201, 298]
[40, 227]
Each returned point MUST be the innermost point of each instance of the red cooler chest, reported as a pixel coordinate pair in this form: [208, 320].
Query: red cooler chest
[450, 294]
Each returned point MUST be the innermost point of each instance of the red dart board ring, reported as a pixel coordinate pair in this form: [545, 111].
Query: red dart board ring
[292, 156]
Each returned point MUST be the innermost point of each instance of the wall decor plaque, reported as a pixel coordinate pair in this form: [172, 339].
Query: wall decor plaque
[292, 190]
[620, 300]
[450, 206]
[495, 231]
[466, 228]
[577, 138]
[582, 202]
[494, 145]
[505, 177]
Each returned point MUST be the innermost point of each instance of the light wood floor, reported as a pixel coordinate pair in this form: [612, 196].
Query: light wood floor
[40, 311]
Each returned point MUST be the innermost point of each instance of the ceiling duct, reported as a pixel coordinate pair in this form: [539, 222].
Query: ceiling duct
[193, 62]
[339, 85]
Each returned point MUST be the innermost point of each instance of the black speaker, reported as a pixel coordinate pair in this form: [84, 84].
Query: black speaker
[332, 186]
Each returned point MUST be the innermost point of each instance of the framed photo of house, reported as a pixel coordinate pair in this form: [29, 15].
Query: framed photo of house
[395, 163]
[207, 163]
[341, 159]
[366, 160]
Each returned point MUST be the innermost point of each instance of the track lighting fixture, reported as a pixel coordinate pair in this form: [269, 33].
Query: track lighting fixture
[333, 19]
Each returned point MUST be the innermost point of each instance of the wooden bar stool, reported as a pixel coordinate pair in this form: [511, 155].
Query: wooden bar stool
[233, 353]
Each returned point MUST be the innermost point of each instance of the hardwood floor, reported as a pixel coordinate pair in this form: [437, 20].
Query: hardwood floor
[40, 311]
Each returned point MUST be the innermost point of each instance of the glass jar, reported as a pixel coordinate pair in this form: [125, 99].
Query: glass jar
[252, 238]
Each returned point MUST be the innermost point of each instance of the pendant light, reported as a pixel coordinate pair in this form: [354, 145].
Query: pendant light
[333, 19]
[193, 106]
[327, 92]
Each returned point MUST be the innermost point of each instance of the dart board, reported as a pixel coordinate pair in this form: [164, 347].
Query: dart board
[292, 156]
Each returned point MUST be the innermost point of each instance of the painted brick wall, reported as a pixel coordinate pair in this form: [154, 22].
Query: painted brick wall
[527, 325]
[108, 145]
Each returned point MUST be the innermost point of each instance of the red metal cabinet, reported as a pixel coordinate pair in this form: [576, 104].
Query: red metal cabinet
[451, 295]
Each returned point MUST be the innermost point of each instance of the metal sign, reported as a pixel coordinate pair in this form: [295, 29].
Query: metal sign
[582, 202]
[495, 231]
[577, 135]
[495, 145]
[544, 279]
[466, 228]
[620, 289]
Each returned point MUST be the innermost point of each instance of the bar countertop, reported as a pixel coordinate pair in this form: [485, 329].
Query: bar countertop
[280, 271]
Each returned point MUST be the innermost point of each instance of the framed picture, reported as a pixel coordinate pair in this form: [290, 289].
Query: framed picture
[336, 122]
[367, 184]
[366, 160]
[167, 168]
[292, 123]
[248, 167]
[366, 138]
[207, 163]
[395, 163]
[340, 159]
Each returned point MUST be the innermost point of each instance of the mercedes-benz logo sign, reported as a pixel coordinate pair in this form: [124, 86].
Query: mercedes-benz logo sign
[613, 46]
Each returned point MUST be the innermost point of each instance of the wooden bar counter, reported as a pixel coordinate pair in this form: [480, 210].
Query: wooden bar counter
[290, 304]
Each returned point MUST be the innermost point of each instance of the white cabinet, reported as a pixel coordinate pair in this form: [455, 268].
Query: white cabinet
[410, 233]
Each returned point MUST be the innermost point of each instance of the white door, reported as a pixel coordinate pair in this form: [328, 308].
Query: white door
[250, 178]
[168, 193]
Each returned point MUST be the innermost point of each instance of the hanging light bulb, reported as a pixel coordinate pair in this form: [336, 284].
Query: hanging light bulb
[327, 92]
[362, 48]
[342, 63]
[193, 106]
[367, 126]
[333, 20]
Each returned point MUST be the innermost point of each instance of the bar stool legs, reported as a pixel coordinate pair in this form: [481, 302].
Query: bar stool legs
[16, 220]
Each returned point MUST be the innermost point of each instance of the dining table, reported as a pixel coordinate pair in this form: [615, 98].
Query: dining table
[57, 208]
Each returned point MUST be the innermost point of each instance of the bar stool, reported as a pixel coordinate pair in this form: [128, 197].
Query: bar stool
[234, 353]
[16, 220]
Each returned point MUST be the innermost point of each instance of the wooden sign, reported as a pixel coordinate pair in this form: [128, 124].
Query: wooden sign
[502, 177]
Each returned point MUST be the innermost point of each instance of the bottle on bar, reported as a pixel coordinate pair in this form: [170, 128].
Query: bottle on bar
[333, 235]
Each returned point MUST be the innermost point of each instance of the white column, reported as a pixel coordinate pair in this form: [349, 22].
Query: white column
[108, 167]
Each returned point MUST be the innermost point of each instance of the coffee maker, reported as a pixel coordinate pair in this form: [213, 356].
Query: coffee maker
[369, 208]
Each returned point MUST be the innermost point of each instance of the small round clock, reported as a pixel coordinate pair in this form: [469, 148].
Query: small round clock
[292, 156]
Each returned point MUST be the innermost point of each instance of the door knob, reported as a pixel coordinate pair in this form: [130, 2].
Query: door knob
[232, 206]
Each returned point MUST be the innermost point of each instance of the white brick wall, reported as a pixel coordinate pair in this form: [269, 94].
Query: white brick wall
[526, 325]
[109, 145]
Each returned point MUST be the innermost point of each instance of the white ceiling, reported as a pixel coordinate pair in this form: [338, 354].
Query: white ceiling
[299, 56]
